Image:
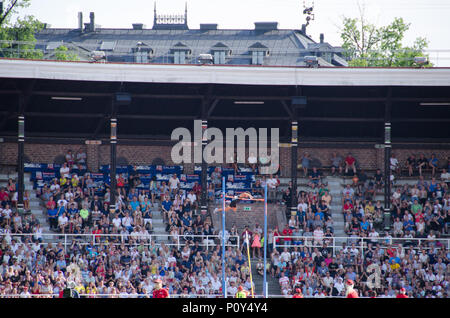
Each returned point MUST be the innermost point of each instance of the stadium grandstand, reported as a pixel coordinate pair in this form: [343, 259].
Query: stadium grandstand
[92, 201]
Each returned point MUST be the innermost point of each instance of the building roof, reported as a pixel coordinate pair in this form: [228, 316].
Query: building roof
[286, 47]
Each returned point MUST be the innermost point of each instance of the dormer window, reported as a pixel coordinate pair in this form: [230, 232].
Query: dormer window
[258, 52]
[220, 51]
[142, 52]
[180, 53]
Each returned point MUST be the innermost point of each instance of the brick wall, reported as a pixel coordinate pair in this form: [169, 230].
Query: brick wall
[368, 158]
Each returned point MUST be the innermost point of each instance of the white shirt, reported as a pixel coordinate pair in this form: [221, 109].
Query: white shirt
[126, 221]
[232, 290]
[327, 281]
[252, 159]
[192, 197]
[117, 222]
[69, 195]
[285, 256]
[54, 187]
[445, 176]
[62, 220]
[394, 163]
[339, 286]
[374, 234]
[64, 171]
[173, 182]
[303, 205]
[272, 183]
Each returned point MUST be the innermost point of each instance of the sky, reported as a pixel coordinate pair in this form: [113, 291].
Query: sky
[428, 18]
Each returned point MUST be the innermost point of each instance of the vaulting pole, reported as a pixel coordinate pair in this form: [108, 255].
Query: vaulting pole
[224, 286]
[250, 265]
[265, 242]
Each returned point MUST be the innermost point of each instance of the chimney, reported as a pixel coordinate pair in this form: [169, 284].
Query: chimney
[208, 26]
[92, 21]
[304, 29]
[80, 21]
[321, 37]
[266, 26]
[138, 26]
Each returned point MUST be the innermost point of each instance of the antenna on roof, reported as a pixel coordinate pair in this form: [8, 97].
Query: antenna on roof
[307, 10]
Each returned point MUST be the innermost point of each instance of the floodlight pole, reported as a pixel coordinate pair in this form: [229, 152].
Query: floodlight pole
[224, 288]
[265, 242]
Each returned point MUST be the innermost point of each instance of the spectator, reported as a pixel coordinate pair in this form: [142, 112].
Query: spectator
[336, 163]
[315, 178]
[394, 164]
[433, 164]
[70, 159]
[64, 171]
[81, 158]
[350, 163]
[411, 164]
[306, 162]
[422, 163]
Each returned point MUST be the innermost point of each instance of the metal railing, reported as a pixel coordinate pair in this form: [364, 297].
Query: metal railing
[361, 243]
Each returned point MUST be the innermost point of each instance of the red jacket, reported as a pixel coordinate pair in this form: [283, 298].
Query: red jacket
[353, 294]
[160, 293]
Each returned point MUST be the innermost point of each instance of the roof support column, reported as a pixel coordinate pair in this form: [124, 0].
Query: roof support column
[204, 171]
[113, 160]
[294, 155]
[387, 156]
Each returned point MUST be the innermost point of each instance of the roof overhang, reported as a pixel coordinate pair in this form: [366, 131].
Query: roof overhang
[239, 75]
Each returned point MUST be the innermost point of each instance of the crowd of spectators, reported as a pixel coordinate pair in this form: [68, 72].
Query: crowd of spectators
[381, 269]
[419, 210]
[118, 268]
[128, 264]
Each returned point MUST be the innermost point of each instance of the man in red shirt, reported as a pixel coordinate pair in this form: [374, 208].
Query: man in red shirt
[350, 162]
[4, 197]
[402, 293]
[298, 293]
[287, 232]
[350, 292]
[197, 189]
[158, 291]
[276, 233]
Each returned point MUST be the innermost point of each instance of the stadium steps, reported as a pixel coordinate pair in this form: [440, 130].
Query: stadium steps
[159, 227]
[335, 187]
[35, 203]
[272, 283]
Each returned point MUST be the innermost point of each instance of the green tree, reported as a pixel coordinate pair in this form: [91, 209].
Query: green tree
[367, 45]
[62, 53]
[17, 38]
